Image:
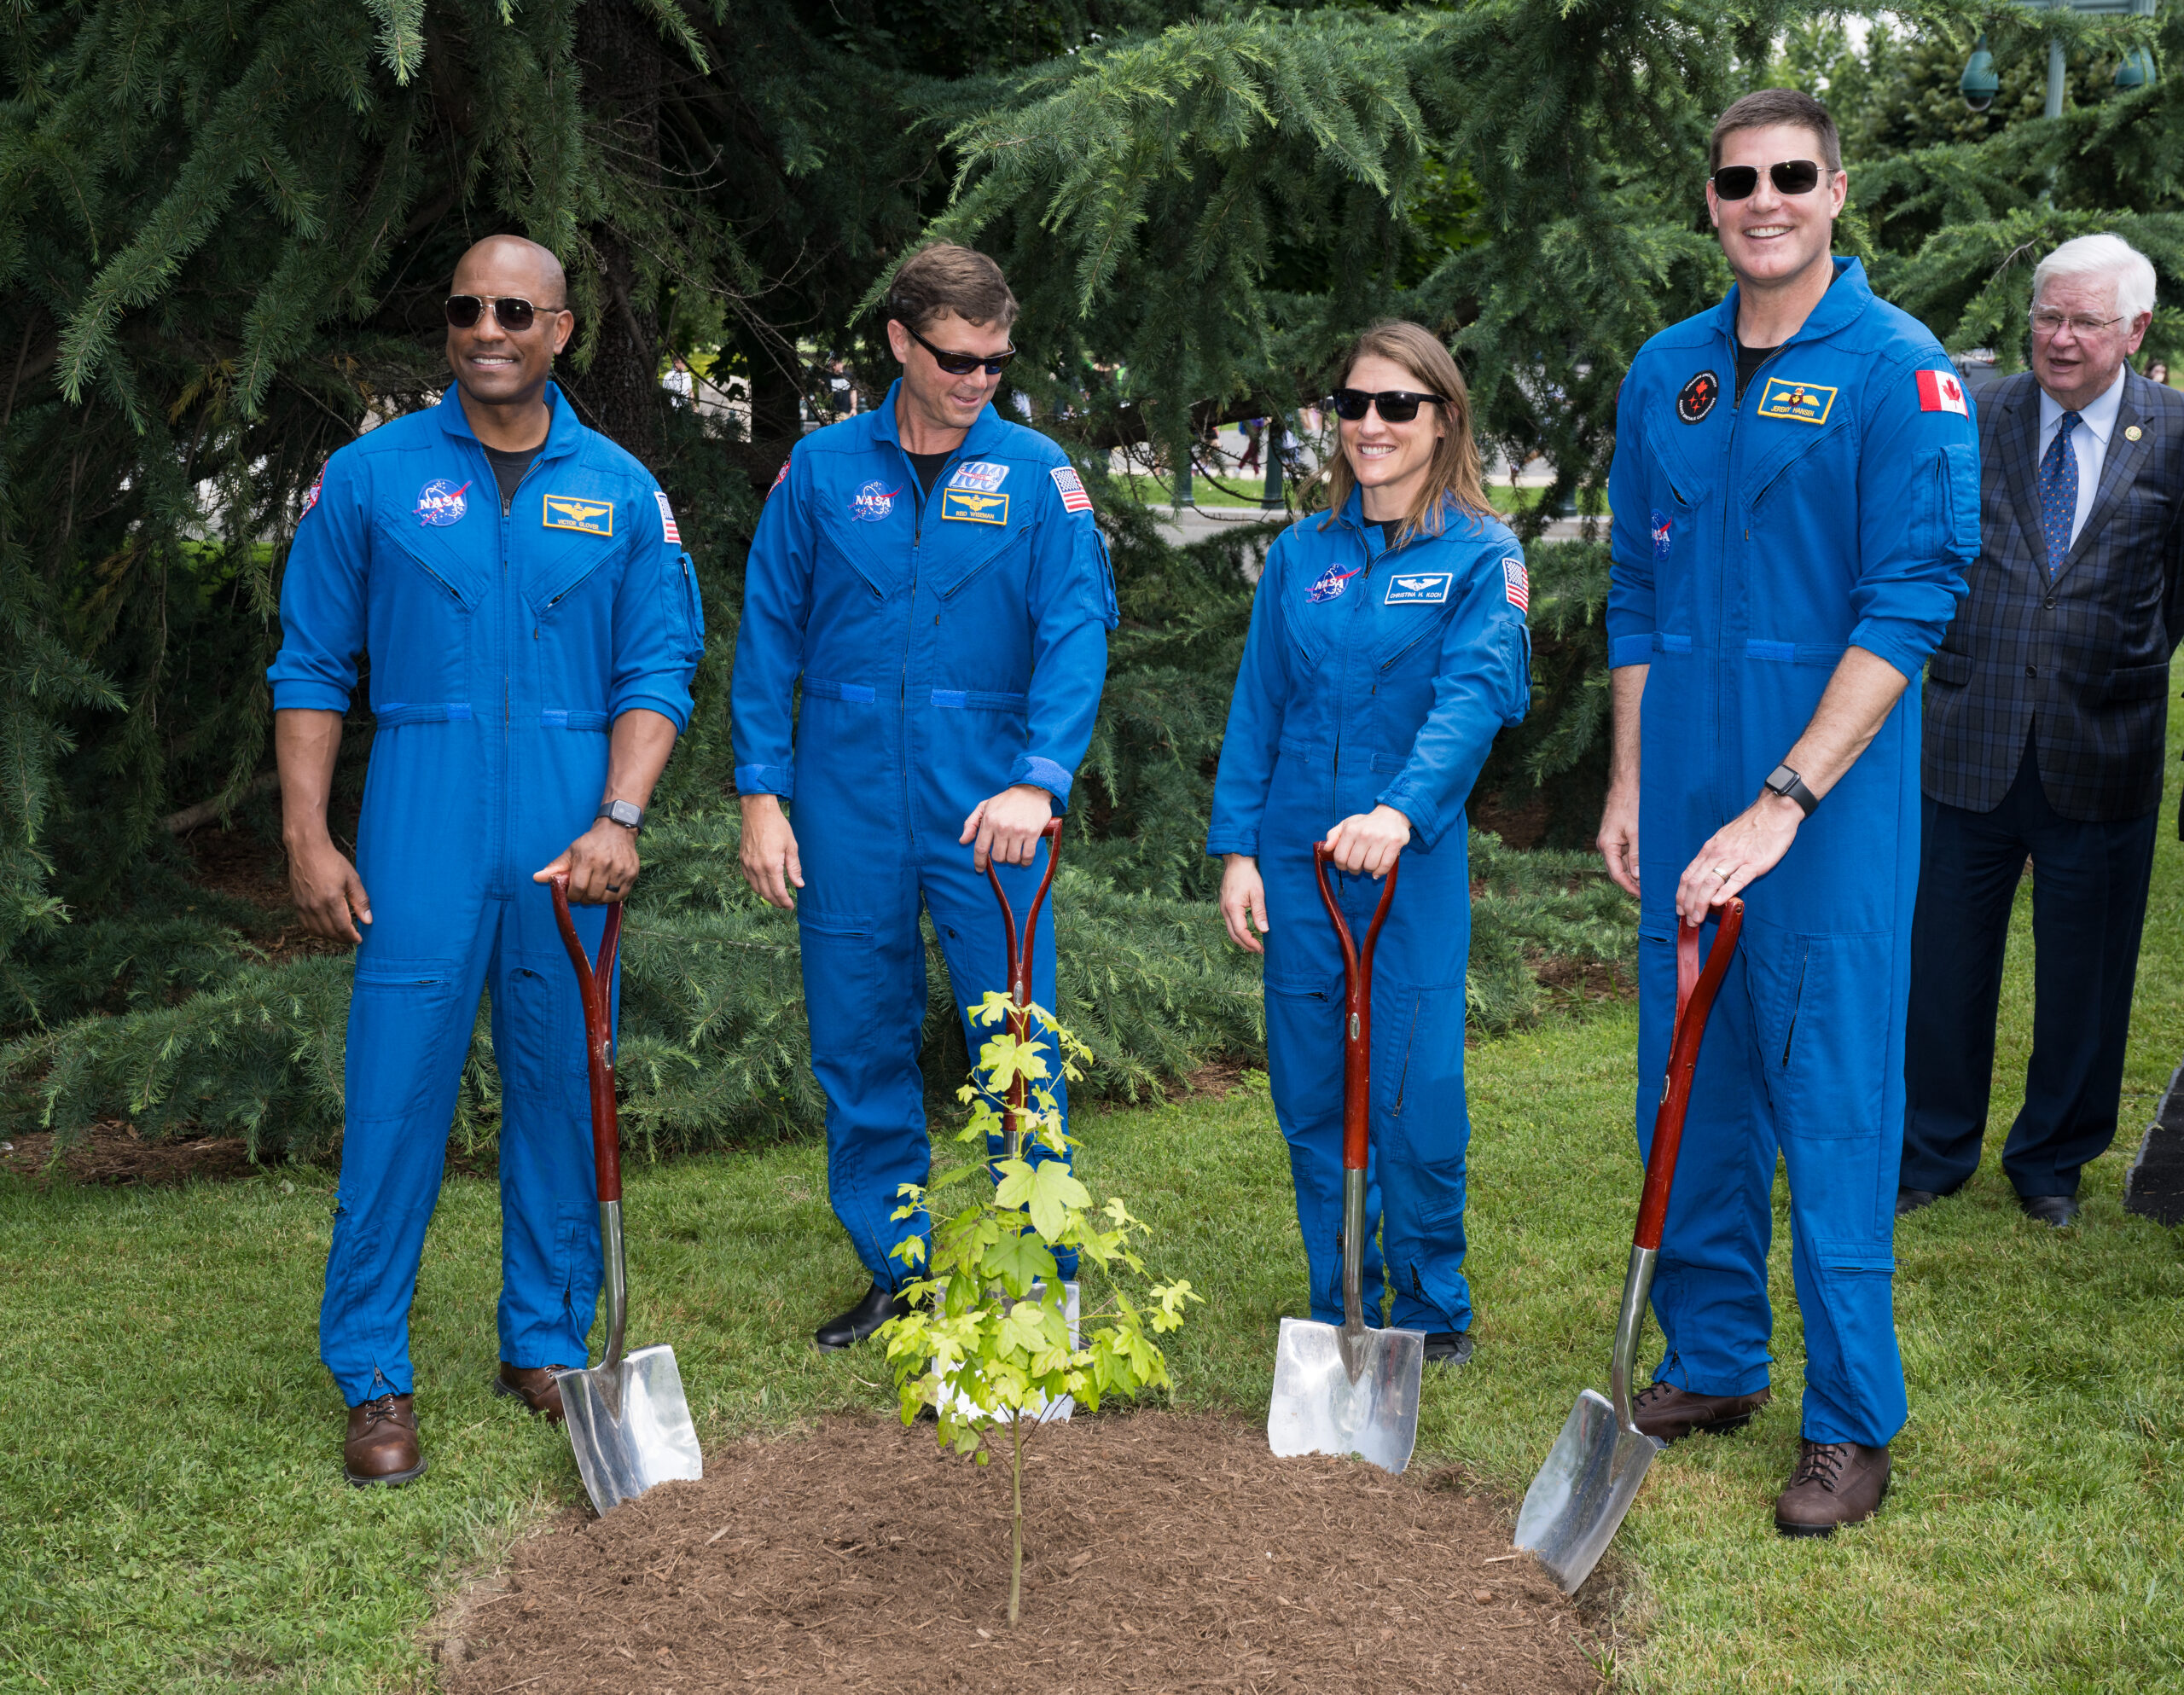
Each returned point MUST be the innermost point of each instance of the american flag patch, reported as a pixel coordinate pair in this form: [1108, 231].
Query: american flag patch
[667, 518]
[1073, 498]
[1516, 584]
[778, 476]
[311, 494]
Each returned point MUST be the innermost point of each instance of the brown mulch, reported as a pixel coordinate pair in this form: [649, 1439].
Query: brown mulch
[235, 862]
[1568, 981]
[1160, 1554]
[113, 1154]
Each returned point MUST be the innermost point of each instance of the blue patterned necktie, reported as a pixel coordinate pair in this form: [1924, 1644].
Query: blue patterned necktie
[2059, 493]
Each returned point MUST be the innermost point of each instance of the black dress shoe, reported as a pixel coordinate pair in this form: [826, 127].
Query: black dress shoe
[1447, 1348]
[846, 1329]
[1909, 1201]
[2061, 1211]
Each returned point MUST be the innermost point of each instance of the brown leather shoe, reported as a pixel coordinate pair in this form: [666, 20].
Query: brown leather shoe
[382, 1443]
[1836, 1482]
[533, 1385]
[1668, 1413]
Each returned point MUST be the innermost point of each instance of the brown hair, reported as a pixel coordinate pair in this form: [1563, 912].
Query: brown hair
[948, 278]
[1762, 109]
[1454, 472]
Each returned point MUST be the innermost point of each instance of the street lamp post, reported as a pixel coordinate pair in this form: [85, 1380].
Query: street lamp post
[1979, 84]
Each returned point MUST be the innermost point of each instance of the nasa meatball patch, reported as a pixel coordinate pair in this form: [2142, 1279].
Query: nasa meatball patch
[1696, 399]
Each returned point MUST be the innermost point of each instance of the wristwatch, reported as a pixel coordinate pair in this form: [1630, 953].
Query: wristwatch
[1784, 781]
[626, 813]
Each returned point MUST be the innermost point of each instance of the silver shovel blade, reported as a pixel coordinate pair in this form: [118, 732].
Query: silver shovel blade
[629, 1425]
[1317, 1407]
[1575, 1504]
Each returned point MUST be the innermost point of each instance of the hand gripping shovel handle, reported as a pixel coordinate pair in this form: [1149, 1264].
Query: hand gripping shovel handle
[1357, 1028]
[592, 984]
[1018, 957]
[1695, 990]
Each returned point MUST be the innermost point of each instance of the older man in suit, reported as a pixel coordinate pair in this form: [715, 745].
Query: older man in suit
[2047, 708]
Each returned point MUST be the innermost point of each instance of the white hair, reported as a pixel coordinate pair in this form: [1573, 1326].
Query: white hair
[2102, 255]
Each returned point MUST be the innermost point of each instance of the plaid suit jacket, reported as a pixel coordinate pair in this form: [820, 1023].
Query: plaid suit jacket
[2080, 660]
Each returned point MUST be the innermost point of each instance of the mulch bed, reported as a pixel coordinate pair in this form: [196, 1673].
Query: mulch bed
[110, 1153]
[1160, 1554]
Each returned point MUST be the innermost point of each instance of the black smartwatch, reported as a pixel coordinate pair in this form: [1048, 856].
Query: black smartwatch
[628, 813]
[1784, 781]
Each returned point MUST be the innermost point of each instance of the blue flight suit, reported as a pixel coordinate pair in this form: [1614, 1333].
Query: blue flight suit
[1374, 677]
[1836, 506]
[949, 645]
[503, 646]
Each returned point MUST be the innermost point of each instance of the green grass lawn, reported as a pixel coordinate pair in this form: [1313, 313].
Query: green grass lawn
[172, 1516]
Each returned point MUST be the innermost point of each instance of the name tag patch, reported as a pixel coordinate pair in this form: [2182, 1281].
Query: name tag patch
[1803, 403]
[977, 473]
[971, 506]
[1429, 590]
[574, 512]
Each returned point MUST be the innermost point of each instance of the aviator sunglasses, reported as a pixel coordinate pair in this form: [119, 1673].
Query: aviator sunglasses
[1790, 176]
[513, 313]
[1395, 406]
[962, 364]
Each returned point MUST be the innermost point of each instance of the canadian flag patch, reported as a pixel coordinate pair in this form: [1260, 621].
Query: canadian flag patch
[1941, 391]
[1073, 498]
[667, 518]
[1516, 583]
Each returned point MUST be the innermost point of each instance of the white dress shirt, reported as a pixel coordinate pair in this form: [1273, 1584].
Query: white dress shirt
[2096, 423]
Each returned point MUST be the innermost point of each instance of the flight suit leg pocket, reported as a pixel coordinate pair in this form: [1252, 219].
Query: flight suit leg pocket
[1820, 1004]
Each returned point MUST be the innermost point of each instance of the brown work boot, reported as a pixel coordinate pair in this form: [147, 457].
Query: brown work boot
[1836, 1482]
[1668, 1413]
[533, 1385]
[382, 1443]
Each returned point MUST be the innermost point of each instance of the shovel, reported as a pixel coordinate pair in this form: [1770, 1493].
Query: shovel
[629, 1421]
[1576, 1503]
[1348, 1389]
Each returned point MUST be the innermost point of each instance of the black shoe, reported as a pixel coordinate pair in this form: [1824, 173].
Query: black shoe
[846, 1329]
[2061, 1211]
[1909, 1201]
[1447, 1348]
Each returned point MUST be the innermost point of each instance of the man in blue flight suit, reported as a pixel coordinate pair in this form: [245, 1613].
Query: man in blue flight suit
[533, 627]
[933, 575]
[1796, 493]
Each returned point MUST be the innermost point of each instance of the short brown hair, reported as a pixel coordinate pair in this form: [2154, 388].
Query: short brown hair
[1454, 473]
[1763, 108]
[948, 278]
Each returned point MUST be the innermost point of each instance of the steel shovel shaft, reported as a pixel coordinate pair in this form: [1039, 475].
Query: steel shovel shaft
[628, 1418]
[1346, 1388]
[1592, 1473]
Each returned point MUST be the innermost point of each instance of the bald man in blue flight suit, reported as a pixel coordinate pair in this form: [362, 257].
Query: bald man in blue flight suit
[1796, 496]
[532, 624]
[933, 576]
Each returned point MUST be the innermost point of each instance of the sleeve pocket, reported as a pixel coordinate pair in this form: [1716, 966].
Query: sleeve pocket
[1959, 469]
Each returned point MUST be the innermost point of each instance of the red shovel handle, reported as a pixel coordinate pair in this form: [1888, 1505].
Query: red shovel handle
[592, 984]
[1357, 1021]
[1694, 999]
[1019, 944]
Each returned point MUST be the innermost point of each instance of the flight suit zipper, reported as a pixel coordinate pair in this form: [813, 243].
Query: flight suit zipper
[1722, 714]
[910, 622]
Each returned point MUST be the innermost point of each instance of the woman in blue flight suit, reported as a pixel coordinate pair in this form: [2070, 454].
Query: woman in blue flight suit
[1387, 647]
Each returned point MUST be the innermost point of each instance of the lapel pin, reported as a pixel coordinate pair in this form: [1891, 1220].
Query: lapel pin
[2133, 433]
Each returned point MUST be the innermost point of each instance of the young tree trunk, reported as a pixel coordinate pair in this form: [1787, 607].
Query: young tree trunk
[1016, 1541]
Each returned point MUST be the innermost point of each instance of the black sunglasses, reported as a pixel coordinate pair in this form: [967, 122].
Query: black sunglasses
[962, 364]
[1790, 177]
[513, 313]
[1395, 406]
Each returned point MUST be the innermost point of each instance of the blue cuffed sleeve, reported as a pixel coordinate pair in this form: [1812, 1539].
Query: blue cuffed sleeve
[1253, 739]
[1630, 597]
[770, 643]
[1485, 683]
[323, 593]
[657, 627]
[1918, 521]
[1072, 604]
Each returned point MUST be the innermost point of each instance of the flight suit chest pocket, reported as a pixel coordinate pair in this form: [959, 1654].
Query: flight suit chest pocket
[1676, 487]
[420, 617]
[1820, 1007]
[964, 562]
[866, 561]
[567, 576]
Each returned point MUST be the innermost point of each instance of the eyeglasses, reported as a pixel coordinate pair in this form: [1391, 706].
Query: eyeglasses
[1790, 177]
[962, 364]
[513, 313]
[1395, 407]
[2051, 323]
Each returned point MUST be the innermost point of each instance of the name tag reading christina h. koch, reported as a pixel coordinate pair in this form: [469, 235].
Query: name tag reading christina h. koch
[1417, 589]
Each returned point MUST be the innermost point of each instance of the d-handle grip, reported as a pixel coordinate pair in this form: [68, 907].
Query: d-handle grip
[593, 982]
[1695, 990]
[1357, 1021]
